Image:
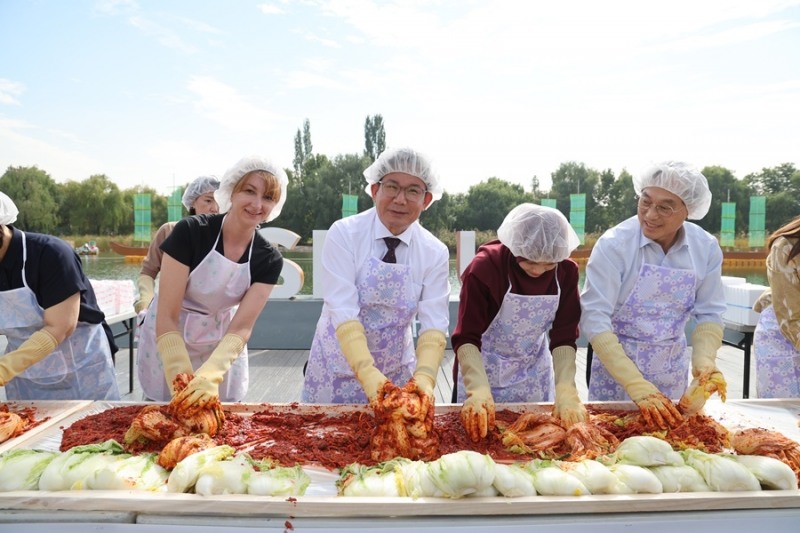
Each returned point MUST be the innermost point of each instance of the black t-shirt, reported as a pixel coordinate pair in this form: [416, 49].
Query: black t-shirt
[54, 273]
[194, 236]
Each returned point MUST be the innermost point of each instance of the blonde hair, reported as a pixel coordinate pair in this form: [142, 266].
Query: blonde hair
[273, 186]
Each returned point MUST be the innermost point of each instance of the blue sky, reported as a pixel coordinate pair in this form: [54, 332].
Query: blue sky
[159, 92]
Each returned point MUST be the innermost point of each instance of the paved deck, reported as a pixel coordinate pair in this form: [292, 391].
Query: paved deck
[276, 376]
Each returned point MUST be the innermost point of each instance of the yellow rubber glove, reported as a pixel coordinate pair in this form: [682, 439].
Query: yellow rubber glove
[30, 352]
[477, 412]
[657, 410]
[147, 289]
[430, 352]
[353, 342]
[706, 340]
[204, 387]
[174, 357]
[568, 406]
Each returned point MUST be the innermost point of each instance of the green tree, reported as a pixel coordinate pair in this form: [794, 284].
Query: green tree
[488, 202]
[621, 202]
[308, 149]
[93, 206]
[374, 137]
[772, 180]
[781, 208]
[725, 187]
[36, 196]
[574, 178]
[298, 154]
[781, 186]
[437, 217]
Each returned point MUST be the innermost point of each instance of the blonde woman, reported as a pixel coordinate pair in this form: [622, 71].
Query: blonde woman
[217, 274]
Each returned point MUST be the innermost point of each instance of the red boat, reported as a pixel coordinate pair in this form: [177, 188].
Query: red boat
[129, 251]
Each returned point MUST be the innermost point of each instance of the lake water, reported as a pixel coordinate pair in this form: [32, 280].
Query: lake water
[113, 266]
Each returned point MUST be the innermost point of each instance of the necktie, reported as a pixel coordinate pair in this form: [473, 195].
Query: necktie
[391, 244]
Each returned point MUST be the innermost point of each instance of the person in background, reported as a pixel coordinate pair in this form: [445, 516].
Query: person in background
[519, 304]
[380, 269]
[776, 342]
[645, 278]
[198, 199]
[212, 264]
[59, 345]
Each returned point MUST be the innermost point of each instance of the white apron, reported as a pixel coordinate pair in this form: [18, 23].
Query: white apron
[213, 291]
[388, 303]
[516, 350]
[650, 326]
[777, 360]
[80, 368]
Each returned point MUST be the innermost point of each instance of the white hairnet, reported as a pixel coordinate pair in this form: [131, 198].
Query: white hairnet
[197, 188]
[241, 169]
[8, 211]
[407, 161]
[538, 233]
[681, 179]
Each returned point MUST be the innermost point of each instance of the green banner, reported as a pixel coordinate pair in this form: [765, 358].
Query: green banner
[758, 214]
[727, 234]
[577, 214]
[549, 202]
[175, 205]
[141, 218]
[349, 205]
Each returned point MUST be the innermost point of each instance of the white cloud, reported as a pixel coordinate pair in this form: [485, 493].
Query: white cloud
[114, 7]
[10, 91]
[270, 9]
[224, 105]
[166, 36]
[20, 146]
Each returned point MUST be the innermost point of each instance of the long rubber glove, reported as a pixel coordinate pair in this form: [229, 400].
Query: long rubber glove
[174, 357]
[30, 352]
[147, 288]
[203, 389]
[706, 340]
[477, 412]
[568, 406]
[353, 342]
[430, 352]
[657, 410]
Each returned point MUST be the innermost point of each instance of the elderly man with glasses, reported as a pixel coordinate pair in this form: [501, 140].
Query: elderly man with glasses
[381, 269]
[645, 278]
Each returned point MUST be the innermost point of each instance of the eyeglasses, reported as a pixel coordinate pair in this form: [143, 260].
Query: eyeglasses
[413, 193]
[665, 211]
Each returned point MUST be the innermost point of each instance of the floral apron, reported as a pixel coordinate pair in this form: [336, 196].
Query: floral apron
[777, 360]
[650, 326]
[80, 368]
[214, 289]
[388, 303]
[516, 350]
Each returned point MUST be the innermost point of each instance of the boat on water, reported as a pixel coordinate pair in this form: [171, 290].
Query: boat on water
[129, 251]
[730, 258]
[88, 248]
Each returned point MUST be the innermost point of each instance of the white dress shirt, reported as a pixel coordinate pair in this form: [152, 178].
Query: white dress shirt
[617, 257]
[352, 240]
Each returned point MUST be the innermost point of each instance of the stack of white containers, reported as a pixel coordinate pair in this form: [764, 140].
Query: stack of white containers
[114, 296]
[740, 297]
